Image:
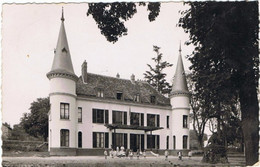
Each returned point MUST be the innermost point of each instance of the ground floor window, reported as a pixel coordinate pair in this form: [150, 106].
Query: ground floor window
[153, 142]
[174, 142]
[100, 140]
[119, 140]
[185, 142]
[64, 137]
[136, 142]
[167, 142]
[79, 139]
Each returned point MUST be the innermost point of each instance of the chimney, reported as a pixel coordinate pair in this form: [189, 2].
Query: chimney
[84, 70]
[117, 75]
[132, 78]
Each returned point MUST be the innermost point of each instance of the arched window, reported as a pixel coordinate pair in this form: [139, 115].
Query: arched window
[167, 142]
[79, 139]
[185, 142]
[174, 142]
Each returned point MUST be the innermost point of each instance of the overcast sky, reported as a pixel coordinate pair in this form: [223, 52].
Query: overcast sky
[30, 33]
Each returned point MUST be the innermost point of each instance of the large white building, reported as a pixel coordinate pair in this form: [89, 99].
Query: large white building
[93, 112]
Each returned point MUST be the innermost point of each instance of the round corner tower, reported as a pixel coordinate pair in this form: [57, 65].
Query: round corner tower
[180, 102]
[62, 116]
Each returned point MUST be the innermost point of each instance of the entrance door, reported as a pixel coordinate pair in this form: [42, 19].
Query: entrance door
[135, 141]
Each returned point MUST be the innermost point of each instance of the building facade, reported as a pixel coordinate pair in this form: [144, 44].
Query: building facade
[93, 112]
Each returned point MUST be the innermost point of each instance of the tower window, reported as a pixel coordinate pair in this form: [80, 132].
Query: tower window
[64, 137]
[64, 111]
[119, 95]
[185, 121]
[79, 114]
[167, 121]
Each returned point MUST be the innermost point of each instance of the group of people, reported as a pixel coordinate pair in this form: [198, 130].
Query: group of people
[129, 153]
[124, 153]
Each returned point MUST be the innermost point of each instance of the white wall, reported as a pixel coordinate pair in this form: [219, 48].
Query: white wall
[180, 107]
[87, 127]
[62, 85]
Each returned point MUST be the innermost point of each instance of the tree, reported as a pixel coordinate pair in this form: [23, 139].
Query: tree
[226, 55]
[199, 111]
[155, 76]
[35, 123]
[110, 17]
[225, 59]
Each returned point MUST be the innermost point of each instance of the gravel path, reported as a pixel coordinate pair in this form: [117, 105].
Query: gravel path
[98, 161]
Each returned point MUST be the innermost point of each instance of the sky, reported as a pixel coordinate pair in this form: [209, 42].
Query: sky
[30, 33]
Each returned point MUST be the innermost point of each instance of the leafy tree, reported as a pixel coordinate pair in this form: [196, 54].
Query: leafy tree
[35, 123]
[226, 55]
[225, 59]
[155, 76]
[110, 17]
[199, 110]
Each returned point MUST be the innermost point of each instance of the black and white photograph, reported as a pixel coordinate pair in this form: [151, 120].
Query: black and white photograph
[130, 83]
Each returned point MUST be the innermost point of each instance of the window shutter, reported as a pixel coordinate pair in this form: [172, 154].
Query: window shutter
[106, 116]
[94, 118]
[142, 119]
[158, 141]
[94, 140]
[113, 140]
[125, 118]
[142, 142]
[106, 140]
[158, 120]
[125, 140]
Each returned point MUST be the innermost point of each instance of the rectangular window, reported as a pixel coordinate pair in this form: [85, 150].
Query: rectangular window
[100, 93]
[185, 142]
[64, 111]
[153, 99]
[185, 121]
[137, 98]
[119, 117]
[119, 95]
[100, 140]
[99, 116]
[135, 119]
[167, 121]
[79, 114]
[64, 137]
[153, 120]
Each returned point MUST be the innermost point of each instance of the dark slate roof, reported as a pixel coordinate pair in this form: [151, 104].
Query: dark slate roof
[111, 86]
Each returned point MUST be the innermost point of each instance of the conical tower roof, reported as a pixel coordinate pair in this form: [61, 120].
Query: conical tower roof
[179, 83]
[62, 60]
